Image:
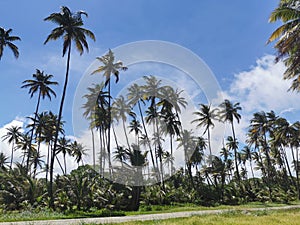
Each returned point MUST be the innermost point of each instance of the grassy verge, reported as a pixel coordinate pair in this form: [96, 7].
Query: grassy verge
[50, 215]
[240, 217]
[191, 207]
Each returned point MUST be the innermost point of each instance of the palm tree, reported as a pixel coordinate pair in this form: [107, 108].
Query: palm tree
[6, 40]
[247, 153]
[39, 84]
[78, 151]
[71, 30]
[120, 110]
[3, 162]
[12, 136]
[206, 115]
[135, 126]
[228, 113]
[288, 48]
[109, 68]
[138, 161]
[136, 95]
[64, 147]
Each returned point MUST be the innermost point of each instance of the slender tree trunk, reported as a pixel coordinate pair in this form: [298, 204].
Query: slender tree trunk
[109, 127]
[93, 146]
[31, 135]
[235, 153]
[297, 172]
[57, 129]
[126, 136]
[12, 154]
[148, 141]
[295, 160]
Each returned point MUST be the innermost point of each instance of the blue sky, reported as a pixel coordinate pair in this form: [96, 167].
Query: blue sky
[230, 36]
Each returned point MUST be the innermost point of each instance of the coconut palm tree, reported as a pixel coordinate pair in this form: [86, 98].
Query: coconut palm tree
[137, 95]
[287, 45]
[7, 40]
[64, 147]
[228, 112]
[71, 30]
[206, 115]
[39, 84]
[12, 136]
[3, 162]
[109, 67]
[120, 110]
[78, 151]
[136, 127]
[138, 161]
[247, 153]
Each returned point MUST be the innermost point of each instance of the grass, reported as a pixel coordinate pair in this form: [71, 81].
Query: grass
[240, 217]
[192, 207]
[50, 215]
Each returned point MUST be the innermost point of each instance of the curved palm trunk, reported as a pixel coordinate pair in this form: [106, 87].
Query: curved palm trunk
[126, 136]
[148, 141]
[57, 129]
[94, 153]
[31, 135]
[235, 153]
[295, 159]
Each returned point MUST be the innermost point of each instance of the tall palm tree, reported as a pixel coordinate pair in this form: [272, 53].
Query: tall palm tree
[206, 115]
[71, 30]
[120, 110]
[78, 151]
[7, 40]
[39, 84]
[136, 95]
[64, 147]
[3, 162]
[228, 112]
[247, 152]
[287, 45]
[12, 136]
[136, 127]
[109, 67]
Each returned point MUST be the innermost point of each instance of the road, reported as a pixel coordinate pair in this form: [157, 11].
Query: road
[162, 216]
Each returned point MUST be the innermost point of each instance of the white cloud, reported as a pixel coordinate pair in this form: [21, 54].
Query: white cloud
[262, 88]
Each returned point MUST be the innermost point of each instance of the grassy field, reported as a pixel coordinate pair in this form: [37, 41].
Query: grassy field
[49, 215]
[289, 217]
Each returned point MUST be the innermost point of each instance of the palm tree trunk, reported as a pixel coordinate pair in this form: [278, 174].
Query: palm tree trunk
[148, 140]
[50, 189]
[235, 153]
[12, 155]
[295, 159]
[109, 126]
[126, 136]
[93, 146]
[31, 135]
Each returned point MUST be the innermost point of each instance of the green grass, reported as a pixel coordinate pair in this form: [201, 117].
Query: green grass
[50, 215]
[278, 217]
[192, 207]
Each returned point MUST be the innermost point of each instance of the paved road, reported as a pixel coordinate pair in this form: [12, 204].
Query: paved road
[108, 220]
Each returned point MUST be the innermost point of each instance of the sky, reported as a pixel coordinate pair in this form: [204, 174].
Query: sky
[229, 36]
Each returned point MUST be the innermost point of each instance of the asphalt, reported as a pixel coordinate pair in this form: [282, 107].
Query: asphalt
[162, 216]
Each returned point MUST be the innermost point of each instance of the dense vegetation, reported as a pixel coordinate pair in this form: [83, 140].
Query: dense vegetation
[149, 117]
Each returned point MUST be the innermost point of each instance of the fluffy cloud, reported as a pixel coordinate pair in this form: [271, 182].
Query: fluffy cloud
[262, 88]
